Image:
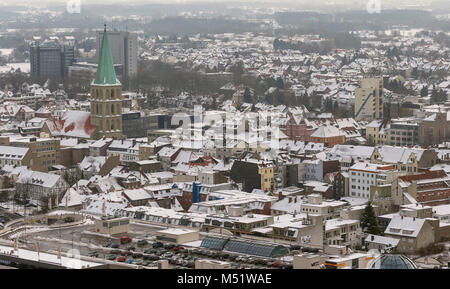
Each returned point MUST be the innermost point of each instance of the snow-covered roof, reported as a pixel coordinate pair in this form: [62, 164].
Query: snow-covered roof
[136, 194]
[391, 154]
[393, 242]
[327, 131]
[404, 226]
[38, 179]
[73, 123]
[72, 198]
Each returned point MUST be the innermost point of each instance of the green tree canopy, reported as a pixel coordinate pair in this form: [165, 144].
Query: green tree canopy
[369, 223]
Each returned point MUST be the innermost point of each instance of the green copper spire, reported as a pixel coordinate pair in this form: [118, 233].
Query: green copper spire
[105, 71]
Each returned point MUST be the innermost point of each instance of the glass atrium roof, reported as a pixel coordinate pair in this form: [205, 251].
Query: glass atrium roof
[392, 262]
[244, 247]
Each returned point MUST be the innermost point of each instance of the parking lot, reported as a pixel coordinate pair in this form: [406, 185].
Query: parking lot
[139, 247]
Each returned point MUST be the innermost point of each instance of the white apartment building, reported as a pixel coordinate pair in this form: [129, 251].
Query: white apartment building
[363, 175]
[343, 232]
[15, 156]
[329, 209]
[126, 150]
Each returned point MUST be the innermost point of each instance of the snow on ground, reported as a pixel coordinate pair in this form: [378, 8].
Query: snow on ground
[27, 230]
[97, 234]
[62, 212]
[6, 52]
[24, 67]
[75, 243]
[66, 261]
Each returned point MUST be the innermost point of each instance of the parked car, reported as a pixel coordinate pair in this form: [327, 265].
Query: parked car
[93, 254]
[126, 253]
[137, 255]
[191, 264]
[178, 248]
[125, 240]
[142, 243]
[116, 251]
[114, 246]
[157, 245]
[169, 246]
[154, 257]
[110, 257]
[129, 261]
[167, 255]
[251, 260]
[69, 220]
[121, 259]
[295, 247]
[131, 248]
[173, 260]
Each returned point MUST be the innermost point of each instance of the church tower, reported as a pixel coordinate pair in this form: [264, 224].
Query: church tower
[106, 96]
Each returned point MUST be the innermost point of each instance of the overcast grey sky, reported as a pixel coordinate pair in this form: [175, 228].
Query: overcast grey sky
[6, 2]
[349, 3]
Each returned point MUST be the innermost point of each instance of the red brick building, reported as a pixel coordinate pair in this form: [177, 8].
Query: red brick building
[429, 188]
[328, 135]
[295, 129]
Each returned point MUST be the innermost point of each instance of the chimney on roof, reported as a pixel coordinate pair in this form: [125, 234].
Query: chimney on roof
[280, 195]
[295, 199]
[290, 199]
[372, 237]
[414, 218]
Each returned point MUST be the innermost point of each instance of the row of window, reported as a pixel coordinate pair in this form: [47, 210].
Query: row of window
[363, 181]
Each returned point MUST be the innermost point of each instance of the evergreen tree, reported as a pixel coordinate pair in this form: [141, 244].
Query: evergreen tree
[424, 91]
[328, 105]
[369, 223]
[279, 83]
[438, 96]
[335, 107]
